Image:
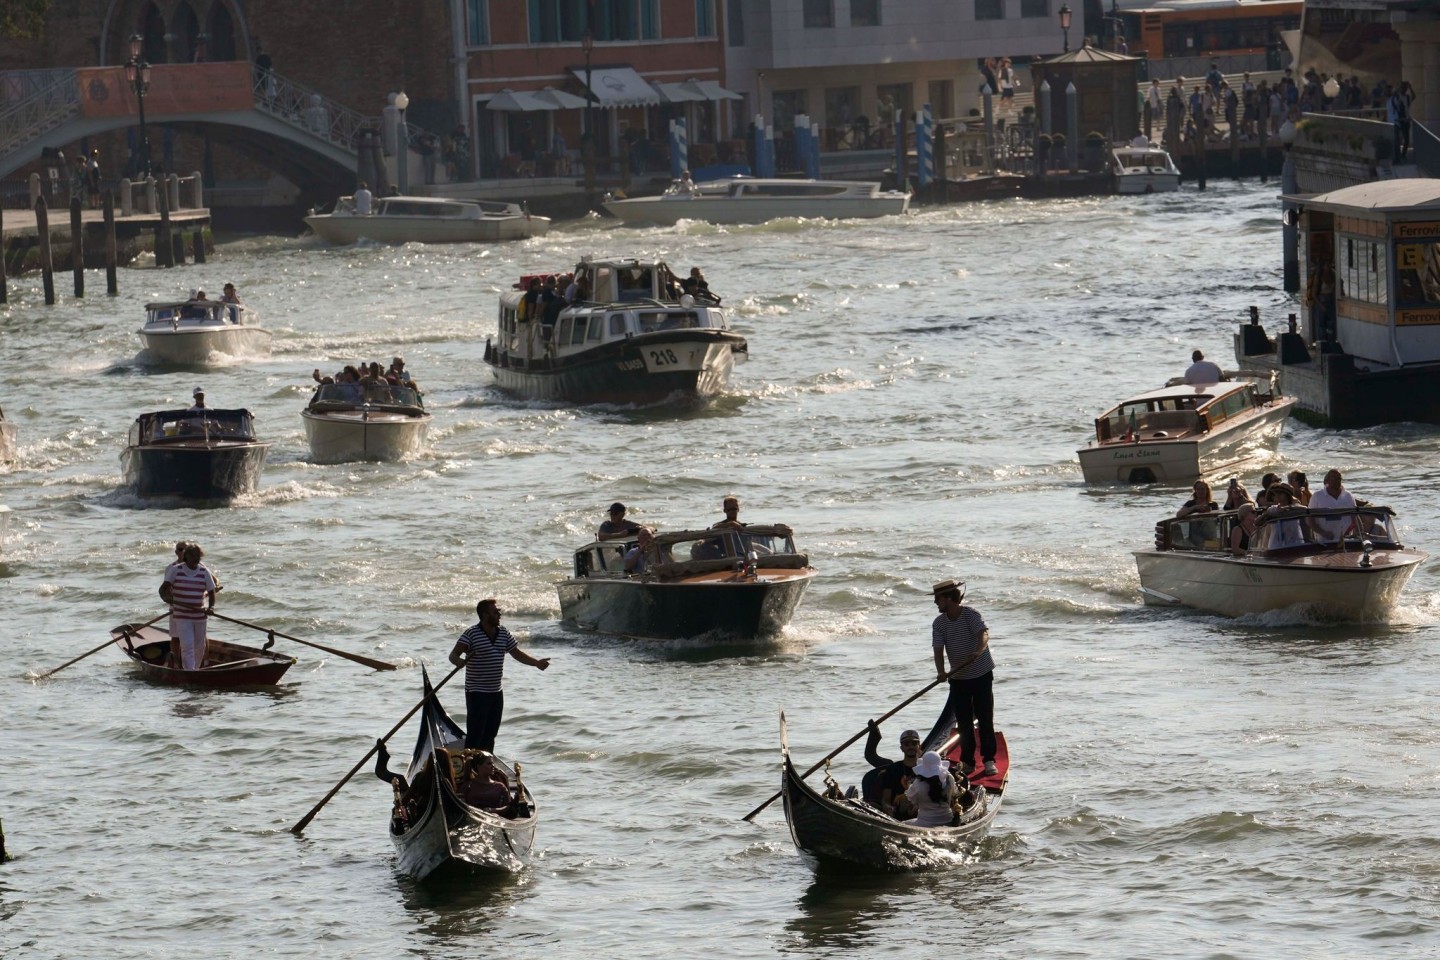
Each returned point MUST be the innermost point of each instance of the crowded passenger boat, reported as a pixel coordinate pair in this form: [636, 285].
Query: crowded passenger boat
[365, 413]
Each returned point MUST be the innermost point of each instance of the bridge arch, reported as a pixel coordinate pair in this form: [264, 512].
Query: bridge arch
[171, 30]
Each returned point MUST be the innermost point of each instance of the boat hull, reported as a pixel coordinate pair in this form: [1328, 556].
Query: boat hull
[1135, 183]
[640, 370]
[667, 211]
[1188, 458]
[219, 471]
[344, 230]
[450, 838]
[670, 611]
[226, 665]
[1331, 584]
[351, 435]
[197, 347]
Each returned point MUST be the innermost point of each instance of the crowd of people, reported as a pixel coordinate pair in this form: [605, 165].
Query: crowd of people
[1274, 504]
[370, 374]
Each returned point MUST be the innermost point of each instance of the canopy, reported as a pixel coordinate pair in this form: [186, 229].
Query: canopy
[711, 90]
[526, 101]
[618, 87]
[678, 92]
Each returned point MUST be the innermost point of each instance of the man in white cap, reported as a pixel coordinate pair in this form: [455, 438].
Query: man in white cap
[960, 632]
[199, 405]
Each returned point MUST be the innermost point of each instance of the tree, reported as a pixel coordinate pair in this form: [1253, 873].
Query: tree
[23, 19]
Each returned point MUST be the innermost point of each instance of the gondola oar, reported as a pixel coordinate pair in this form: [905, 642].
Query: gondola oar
[102, 646]
[903, 704]
[373, 664]
[304, 821]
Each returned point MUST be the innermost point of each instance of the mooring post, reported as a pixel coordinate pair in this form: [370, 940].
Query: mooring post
[112, 285]
[177, 242]
[164, 250]
[77, 246]
[4, 292]
[47, 265]
[199, 238]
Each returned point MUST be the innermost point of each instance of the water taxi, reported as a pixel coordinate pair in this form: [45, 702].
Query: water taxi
[752, 200]
[352, 421]
[1143, 169]
[191, 333]
[197, 454]
[427, 220]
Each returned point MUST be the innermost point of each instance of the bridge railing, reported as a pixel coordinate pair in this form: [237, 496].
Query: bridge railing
[311, 111]
[35, 101]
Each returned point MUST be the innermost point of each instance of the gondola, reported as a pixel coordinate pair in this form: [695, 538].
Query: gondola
[226, 664]
[831, 827]
[435, 832]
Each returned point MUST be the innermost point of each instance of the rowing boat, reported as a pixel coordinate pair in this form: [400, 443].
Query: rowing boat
[829, 826]
[434, 831]
[226, 664]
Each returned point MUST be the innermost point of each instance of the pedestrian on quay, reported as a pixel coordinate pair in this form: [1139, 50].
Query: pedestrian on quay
[959, 633]
[481, 650]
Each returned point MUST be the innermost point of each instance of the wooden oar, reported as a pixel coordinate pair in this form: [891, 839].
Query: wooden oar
[373, 664]
[304, 821]
[101, 647]
[903, 704]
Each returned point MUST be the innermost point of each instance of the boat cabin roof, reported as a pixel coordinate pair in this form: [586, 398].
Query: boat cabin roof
[229, 424]
[1197, 394]
[688, 552]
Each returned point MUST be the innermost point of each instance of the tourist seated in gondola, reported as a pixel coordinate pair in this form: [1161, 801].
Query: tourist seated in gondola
[481, 785]
[932, 791]
[884, 786]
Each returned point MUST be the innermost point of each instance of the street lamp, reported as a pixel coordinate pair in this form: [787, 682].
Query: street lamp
[587, 139]
[137, 72]
[402, 142]
[1065, 24]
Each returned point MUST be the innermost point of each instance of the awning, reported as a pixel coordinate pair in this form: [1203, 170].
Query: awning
[618, 87]
[520, 101]
[711, 90]
[561, 99]
[678, 93]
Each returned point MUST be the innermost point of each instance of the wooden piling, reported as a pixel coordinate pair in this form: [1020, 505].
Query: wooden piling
[112, 285]
[4, 291]
[3, 855]
[77, 246]
[199, 242]
[47, 263]
[177, 251]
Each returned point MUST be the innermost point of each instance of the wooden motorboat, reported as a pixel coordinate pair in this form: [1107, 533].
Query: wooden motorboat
[829, 826]
[756, 200]
[352, 421]
[635, 339]
[1184, 431]
[1345, 564]
[191, 333]
[437, 833]
[427, 220]
[226, 664]
[731, 583]
[197, 454]
[7, 439]
[1145, 168]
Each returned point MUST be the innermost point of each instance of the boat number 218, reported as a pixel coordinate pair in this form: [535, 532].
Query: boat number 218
[663, 357]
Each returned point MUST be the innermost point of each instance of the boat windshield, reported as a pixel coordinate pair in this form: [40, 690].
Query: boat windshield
[652, 321]
[190, 424]
[1346, 529]
[356, 394]
[1161, 419]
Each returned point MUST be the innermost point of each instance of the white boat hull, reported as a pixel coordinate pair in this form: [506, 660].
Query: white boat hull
[196, 346]
[1187, 458]
[669, 210]
[345, 436]
[1333, 584]
[1131, 183]
[7, 441]
[342, 229]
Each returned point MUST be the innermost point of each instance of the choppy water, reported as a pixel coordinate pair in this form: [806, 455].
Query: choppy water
[1182, 785]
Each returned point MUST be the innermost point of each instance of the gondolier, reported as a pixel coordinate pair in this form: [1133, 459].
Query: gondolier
[481, 651]
[960, 632]
[189, 588]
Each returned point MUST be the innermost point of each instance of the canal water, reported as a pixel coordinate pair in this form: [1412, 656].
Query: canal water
[1182, 784]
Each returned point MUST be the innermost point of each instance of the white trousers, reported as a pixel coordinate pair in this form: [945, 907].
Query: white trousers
[192, 642]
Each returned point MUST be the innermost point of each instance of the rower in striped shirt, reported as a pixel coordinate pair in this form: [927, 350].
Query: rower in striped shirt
[481, 651]
[190, 589]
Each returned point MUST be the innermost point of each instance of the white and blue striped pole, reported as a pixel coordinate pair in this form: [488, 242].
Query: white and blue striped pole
[814, 151]
[674, 154]
[759, 145]
[925, 146]
[682, 145]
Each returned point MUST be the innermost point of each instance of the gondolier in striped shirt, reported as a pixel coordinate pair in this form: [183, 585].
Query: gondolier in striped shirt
[960, 633]
[481, 651]
[189, 588]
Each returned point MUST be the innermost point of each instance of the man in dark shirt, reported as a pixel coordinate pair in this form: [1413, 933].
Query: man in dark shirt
[884, 786]
[617, 527]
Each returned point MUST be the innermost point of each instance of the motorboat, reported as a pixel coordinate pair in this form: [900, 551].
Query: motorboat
[756, 200]
[199, 454]
[727, 582]
[435, 832]
[354, 421]
[427, 220]
[1341, 563]
[1144, 168]
[8, 436]
[833, 826]
[1184, 431]
[633, 337]
[193, 332]
[226, 664]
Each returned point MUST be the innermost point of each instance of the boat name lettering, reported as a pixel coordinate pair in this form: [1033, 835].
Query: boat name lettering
[1138, 454]
[1417, 230]
[663, 357]
[630, 365]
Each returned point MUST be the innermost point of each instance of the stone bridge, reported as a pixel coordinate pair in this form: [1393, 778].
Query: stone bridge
[292, 130]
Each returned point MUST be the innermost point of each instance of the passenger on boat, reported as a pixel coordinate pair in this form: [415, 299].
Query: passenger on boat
[551, 303]
[1333, 496]
[931, 792]
[187, 588]
[695, 284]
[1287, 532]
[199, 397]
[1202, 370]
[529, 308]
[1300, 485]
[481, 785]
[481, 651]
[644, 554]
[731, 506]
[1243, 533]
[884, 785]
[228, 294]
[1266, 482]
[397, 370]
[1236, 495]
[363, 198]
[617, 527]
[1199, 530]
[574, 289]
[635, 284]
[960, 633]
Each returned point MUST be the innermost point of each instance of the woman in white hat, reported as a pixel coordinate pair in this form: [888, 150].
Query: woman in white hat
[931, 792]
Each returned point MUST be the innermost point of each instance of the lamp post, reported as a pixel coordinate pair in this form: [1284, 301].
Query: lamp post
[402, 143]
[1065, 24]
[587, 139]
[137, 72]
